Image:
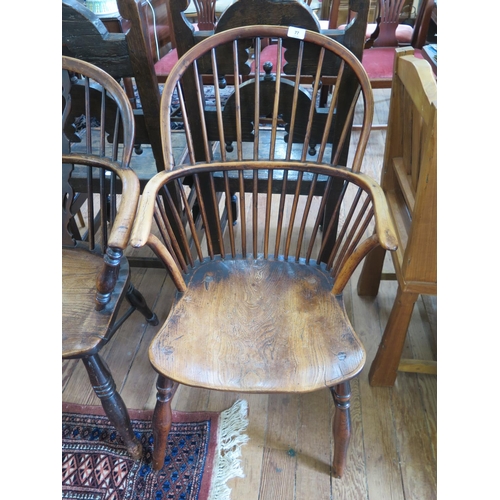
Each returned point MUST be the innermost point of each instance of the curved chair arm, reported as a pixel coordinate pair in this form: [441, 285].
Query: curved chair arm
[144, 218]
[122, 227]
[384, 235]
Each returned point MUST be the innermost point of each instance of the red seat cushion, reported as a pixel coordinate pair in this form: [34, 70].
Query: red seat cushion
[404, 32]
[166, 63]
[378, 62]
[269, 53]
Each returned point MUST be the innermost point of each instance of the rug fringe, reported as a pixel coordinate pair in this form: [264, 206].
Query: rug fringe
[233, 422]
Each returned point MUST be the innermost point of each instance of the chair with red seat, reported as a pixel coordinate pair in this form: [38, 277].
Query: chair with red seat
[378, 56]
[202, 16]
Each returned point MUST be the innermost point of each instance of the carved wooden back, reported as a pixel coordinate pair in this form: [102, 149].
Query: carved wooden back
[270, 12]
[387, 21]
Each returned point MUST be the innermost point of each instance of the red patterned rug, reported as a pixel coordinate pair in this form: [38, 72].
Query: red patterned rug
[203, 453]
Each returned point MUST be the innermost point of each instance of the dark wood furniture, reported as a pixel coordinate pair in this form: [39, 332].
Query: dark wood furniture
[261, 313]
[409, 179]
[95, 274]
[284, 13]
[122, 55]
[378, 57]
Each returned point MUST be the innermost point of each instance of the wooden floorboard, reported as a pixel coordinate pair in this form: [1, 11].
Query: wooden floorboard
[393, 452]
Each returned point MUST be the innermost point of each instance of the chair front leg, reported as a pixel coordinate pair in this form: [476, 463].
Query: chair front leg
[341, 427]
[162, 419]
[114, 407]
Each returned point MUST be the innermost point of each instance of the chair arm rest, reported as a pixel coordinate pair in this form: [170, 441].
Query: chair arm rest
[384, 226]
[384, 235]
[122, 227]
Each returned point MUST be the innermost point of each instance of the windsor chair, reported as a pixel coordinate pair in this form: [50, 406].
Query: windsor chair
[96, 275]
[259, 311]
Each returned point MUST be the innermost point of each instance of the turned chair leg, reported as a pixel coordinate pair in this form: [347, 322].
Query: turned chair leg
[162, 419]
[136, 300]
[384, 368]
[114, 407]
[341, 427]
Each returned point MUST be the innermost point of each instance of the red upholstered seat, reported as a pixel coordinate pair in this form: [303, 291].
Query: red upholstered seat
[164, 66]
[404, 32]
[269, 53]
[379, 61]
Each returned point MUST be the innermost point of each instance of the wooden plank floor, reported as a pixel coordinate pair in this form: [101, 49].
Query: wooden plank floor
[392, 454]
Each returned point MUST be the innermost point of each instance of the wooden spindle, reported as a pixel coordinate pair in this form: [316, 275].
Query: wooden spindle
[269, 197]
[204, 217]
[293, 213]
[320, 215]
[189, 215]
[332, 223]
[343, 229]
[218, 107]
[331, 110]
[187, 126]
[242, 206]
[256, 120]
[229, 211]
[312, 107]
[291, 125]
[277, 91]
[349, 242]
[255, 212]
[305, 215]
[281, 214]
[201, 108]
[168, 235]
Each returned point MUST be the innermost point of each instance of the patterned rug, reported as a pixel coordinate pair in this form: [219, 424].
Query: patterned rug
[203, 453]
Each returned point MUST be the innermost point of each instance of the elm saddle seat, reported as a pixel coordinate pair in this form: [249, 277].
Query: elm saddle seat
[255, 309]
[95, 233]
